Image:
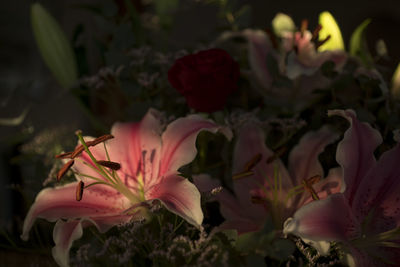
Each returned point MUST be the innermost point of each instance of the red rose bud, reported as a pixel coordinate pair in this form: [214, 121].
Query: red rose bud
[205, 79]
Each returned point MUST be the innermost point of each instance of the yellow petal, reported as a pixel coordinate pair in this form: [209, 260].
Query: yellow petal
[330, 27]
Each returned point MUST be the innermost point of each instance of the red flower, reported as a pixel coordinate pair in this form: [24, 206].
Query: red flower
[205, 79]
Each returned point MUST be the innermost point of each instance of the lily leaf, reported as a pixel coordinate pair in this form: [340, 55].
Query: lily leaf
[54, 46]
[358, 45]
[16, 120]
[330, 27]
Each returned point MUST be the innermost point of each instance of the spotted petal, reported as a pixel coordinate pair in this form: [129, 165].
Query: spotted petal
[378, 193]
[98, 202]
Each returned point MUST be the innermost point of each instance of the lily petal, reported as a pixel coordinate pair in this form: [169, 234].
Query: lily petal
[259, 47]
[179, 141]
[330, 185]
[242, 218]
[130, 142]
[55, 203]
[303, 160]
[250, 143]
[355, 153]
[180, 197]
[64, 233]
[379, 193]
[319, 220]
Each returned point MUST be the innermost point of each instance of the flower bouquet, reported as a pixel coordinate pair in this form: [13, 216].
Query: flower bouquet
[257, 147]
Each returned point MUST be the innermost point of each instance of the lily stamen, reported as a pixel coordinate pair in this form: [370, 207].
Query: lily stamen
[115, 166]
[79, 191]
[319, 43]
[316, 33]
[279, 152]
[303, 27]
[63, 155]
[253, 162]
[64, 169]
[308, 185]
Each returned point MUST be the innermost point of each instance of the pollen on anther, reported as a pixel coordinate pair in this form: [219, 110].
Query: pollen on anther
[63, 155]
[110, 164]
[79, 191]
[64, 169]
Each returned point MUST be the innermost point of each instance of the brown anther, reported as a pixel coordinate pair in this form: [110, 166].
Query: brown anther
[316, 33]
[257, 200]
[242, 175]
[304, 26]
[308, 185]
[110, 164]
[63, 155]
[64, 169]
[279, 152]
[101, 139]
[253, 162]
[78, 150]
[79, 191]
[319, 43]
[313, 179]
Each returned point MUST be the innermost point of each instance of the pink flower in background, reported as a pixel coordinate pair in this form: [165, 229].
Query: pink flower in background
[141, 165]
[264, 187]
[205, 79]
[365, 218]
[303, 57]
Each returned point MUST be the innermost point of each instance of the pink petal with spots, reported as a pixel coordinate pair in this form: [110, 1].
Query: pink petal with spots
[55, 203]
[179, 141]
[136, 146]
[180, 197]
[303, 159]
[355, 153]
[64, 233]
[378, 193]
[320, 220]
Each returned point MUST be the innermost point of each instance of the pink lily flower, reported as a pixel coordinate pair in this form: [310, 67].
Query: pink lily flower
[121, 177]
[365, 218]
[303, 57]
[264, 188]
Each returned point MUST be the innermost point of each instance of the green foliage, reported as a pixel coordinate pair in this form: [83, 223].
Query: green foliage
[265, 243]
[358, 45]
[54, 46]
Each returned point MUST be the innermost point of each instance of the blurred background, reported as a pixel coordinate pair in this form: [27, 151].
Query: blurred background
[36, 112]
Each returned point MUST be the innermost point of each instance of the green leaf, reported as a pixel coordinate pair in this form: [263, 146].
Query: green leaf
[330, 27]
[164, 10]
[282, 23]
[54, 46]
[358, 45]
[16, 120]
